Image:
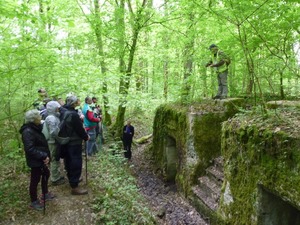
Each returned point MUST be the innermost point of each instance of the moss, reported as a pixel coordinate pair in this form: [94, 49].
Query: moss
[196, 131]
[169, 122]
[259, 152]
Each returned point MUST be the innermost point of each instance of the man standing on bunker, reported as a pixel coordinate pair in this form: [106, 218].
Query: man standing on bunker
[219, 61]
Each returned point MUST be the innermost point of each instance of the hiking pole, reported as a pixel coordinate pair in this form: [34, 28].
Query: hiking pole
[44, 181]
[86, 164]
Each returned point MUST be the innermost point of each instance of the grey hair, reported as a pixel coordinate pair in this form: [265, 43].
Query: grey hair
[32, 115]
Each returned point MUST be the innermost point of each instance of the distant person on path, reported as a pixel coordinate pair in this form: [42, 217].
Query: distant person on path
[128, 133]
[73, 150]
[37, 157]
[52, 124]
[219, 61]
[90, 123]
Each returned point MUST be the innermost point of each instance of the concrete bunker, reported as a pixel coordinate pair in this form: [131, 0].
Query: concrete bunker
[273, 210]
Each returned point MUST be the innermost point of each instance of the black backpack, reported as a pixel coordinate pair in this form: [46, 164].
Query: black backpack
[64, 134]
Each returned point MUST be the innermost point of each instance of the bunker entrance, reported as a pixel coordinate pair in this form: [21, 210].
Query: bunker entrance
[171, 158]
[272, 210]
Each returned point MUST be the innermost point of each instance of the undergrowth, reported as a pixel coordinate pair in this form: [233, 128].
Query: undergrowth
[12, 192]
[117, 199]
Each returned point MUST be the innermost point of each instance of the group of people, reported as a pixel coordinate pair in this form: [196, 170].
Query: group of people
[42, 150]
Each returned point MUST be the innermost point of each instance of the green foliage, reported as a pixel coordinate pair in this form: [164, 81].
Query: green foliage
[117, 200]
[13, 194]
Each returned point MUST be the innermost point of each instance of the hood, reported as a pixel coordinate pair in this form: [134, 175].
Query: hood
[52, 107]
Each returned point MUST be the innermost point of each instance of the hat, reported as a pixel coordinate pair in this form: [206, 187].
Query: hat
[71, 99]
[212, 46]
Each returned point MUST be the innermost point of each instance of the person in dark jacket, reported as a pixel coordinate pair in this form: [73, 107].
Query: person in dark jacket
[73, 150]
[37, 157]
[128, 133]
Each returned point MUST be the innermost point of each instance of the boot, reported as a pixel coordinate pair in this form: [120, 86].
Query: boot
[78, 191]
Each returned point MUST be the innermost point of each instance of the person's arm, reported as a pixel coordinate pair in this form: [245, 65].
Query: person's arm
[90, 116]
[30, 148]
[208, 64]
[223, 59]
[78, 128]
[218, 64]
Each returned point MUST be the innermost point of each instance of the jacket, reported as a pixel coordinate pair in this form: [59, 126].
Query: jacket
[35, 145]
[75, 128]
[89, 120]
[128, 133]
[217, 58]
[52, 120]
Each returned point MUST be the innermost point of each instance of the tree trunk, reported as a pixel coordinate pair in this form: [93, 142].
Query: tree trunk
[98, 27]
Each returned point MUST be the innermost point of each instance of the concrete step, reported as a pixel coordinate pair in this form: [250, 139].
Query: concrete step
[211, 203]
[219, 163]
[208, 185]
[214, 173]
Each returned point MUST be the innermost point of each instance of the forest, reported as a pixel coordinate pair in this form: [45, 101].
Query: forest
[137, 54]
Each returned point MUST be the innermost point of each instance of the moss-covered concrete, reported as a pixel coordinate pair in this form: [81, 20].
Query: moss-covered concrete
[194, 132]
[260, 151]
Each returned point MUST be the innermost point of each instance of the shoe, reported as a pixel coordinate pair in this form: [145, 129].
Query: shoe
[60, 181]
[217, 97]
[37, 205]
[48, 196]
[78, 191]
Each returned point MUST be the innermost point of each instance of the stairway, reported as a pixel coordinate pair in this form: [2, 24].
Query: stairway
[206, 194]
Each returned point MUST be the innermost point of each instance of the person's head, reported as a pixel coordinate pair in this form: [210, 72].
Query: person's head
[53, 107]
[72, 101]
[94, 99]
[42, 92]
[33, 116]
[61, 101]
[213, 48]
[88, 100]
[128, 123]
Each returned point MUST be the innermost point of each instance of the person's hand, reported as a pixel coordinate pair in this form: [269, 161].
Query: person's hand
[89, 137]
[46, 161]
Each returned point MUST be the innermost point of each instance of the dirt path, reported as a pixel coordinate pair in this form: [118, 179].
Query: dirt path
[168, 206]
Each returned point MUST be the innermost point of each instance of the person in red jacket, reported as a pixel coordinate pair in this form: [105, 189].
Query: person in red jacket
[90, 123]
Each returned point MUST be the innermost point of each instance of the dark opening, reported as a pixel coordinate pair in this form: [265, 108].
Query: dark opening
[272, 210]
[171, 158]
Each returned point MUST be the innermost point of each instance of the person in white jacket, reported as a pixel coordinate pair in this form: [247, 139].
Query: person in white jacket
[52, 124]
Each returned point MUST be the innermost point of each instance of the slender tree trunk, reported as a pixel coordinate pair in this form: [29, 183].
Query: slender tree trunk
[125, 80]
[98, 27]
[188, 59]
[166, 77]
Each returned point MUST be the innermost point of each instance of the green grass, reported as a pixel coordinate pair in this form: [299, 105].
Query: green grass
[117, 198]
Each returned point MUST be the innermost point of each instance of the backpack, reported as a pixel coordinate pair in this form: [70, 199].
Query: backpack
[45, 131]
[63, 136]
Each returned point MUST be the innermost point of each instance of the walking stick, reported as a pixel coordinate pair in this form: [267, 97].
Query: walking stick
[44, 180]
[86, 165]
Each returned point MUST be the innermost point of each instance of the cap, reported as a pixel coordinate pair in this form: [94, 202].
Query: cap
[71, 99]
[212, 46]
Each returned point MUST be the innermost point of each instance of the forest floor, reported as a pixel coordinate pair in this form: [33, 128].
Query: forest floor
[168, 206]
